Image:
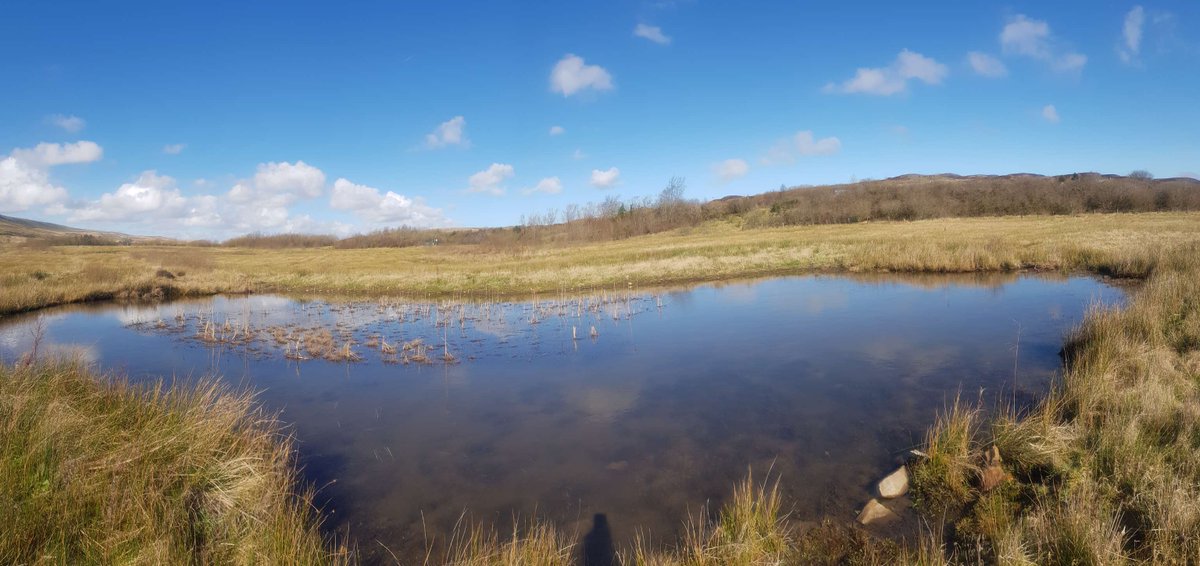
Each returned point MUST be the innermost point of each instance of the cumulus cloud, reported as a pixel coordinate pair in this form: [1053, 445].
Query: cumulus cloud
[578, 154]
[572, 75]
[51, 154]
[151, 194]
[548, 185]
[985, 65]
[25, 177]
[605, 179]
[803, 143]
[173, 148]
[893, 79]
[731, 169]
[557, 130]
[448, 133]
[1032, 38]
[653, 33]
[71, 124]
[490, 180]
[262, 203]
[1131, 33]
[298, 179]
[23, 186]
[1050, 113]
[378, 207]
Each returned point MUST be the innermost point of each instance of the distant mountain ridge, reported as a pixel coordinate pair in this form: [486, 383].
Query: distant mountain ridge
[12, 227]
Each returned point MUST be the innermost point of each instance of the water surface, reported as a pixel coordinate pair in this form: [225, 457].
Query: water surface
[822, 380]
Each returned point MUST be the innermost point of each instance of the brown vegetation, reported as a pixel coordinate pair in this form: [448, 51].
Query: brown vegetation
[910, 197]
[97, 471]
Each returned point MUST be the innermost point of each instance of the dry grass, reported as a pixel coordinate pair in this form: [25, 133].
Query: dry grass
[1122, 244]
[94, 471]
[1107, 467]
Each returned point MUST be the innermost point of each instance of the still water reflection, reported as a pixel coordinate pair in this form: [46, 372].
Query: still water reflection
[823, 380]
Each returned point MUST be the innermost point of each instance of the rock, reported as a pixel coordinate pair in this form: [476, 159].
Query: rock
[895, 484]
[875, 512]
[993, 473]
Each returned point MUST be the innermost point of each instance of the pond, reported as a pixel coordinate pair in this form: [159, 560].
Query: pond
[642, 405]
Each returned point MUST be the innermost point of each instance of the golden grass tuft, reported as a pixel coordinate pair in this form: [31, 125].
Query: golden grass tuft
[94, 470]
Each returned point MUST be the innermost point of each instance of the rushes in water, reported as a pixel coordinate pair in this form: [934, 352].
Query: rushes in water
[751, 529]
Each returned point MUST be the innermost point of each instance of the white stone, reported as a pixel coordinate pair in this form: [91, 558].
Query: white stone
[895, 484]
[875, 512]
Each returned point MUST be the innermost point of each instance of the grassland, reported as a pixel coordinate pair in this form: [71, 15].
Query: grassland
[38, 277]
[1106, 470]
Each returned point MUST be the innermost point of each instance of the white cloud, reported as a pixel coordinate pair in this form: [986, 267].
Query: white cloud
[653, 33]
[807, 145]
[557, 130]
[491, 180]
[803, 143]
[548, 185]
[377, 207]
[1032, 38]
[986, 66]
[1050, 113]
[605, 179]
[25, 177]
[450, 132]
[731, 169]
[69, 123]
[23, 186]
[578, 155]
[299, 179]
[150, 196]
[173, 148]
[571, 75]
[1131, 32]
[51, 154]
[893, 79]
[262, 203]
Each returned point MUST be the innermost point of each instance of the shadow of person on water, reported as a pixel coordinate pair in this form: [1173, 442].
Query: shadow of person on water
[598, 547]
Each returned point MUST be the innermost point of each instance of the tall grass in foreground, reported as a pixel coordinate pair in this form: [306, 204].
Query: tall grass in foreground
[751, 529]
[1107, 467]
[94, 471]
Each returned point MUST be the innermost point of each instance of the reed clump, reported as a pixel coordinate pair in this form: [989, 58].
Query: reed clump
[94, 470]
[1106, 469]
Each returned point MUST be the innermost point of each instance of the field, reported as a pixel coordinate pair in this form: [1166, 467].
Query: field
[1103, 471]
[35, 277]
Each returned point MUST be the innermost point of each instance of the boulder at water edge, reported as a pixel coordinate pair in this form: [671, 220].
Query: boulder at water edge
[895, 484]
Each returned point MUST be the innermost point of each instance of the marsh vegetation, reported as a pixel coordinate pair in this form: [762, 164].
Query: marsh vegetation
[823, 379]
[1096, 467]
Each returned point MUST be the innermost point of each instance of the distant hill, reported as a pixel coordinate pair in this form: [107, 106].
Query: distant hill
[19, 229]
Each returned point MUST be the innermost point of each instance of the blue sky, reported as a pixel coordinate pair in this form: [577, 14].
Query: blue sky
[216, 119]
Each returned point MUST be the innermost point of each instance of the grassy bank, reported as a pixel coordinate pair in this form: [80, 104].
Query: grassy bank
[38, 277]
[1106, 470]
[94, 471]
